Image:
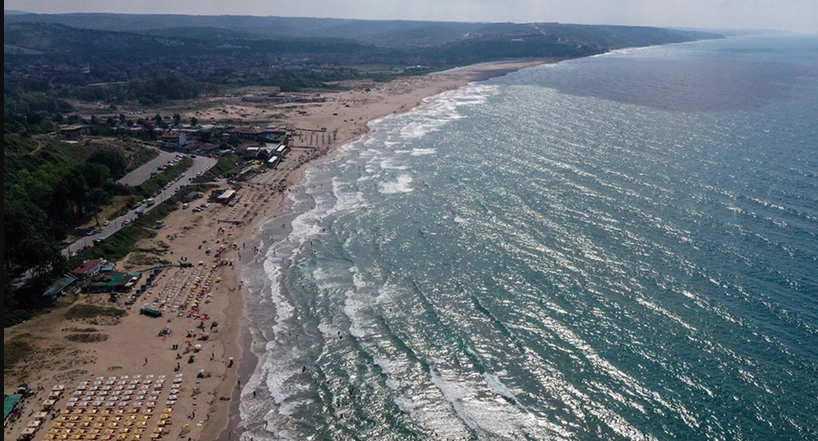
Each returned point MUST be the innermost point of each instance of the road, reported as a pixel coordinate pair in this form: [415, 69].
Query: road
[200, 165]
[143, 173]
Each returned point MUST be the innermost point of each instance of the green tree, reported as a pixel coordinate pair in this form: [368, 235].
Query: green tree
[177, 119]
[149, 131]
[9, 302]
[97, 198]
[112, 159]
[76, 191]
[96, 175]
[41, 253]
[27, 243]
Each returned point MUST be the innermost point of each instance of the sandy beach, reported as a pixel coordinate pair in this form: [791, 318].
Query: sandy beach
[196, 347]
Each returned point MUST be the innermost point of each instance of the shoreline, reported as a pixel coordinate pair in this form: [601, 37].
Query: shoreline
[248, 361]
[68, 347]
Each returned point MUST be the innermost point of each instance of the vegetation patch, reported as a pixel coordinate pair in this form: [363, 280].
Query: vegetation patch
[87, 311]
[224, 164]
[142, 259]
[87, 337]
[155, 184]
[75, 329]
[70, 375]
[16, 350]
[12, 317]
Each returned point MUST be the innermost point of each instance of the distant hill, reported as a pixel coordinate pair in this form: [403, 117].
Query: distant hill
[390, 33]
[63, 51]
[14, 12]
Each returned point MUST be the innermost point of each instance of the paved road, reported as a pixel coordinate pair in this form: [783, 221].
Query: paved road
[200, 165]
[143, 173]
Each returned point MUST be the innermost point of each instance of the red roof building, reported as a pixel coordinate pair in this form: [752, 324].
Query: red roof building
[246, 132]
[89, 268]
[174, 139]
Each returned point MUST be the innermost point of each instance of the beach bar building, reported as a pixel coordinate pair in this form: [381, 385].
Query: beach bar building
[88, 269]
[282, 149]
[59, 287]
[226, 197]
[113, 282]
[245, 132]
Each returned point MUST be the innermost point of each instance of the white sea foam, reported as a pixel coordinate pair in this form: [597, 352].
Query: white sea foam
[423, 152]
[428, 412]
[358, 280]
[440, 110]
[387, 294]
[402, 185]
[497, 386]
[280, 380]
[284, 310]
[477, 409]
[346, 200]
[356, 309]
[393, 368]
[389, 164]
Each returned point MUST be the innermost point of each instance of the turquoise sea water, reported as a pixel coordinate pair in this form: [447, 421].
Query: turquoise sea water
[616, 247]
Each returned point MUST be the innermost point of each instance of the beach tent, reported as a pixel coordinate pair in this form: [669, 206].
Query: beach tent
[150, 312]
[10, 403]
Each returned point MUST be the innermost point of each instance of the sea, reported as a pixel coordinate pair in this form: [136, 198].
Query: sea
[618, 247]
